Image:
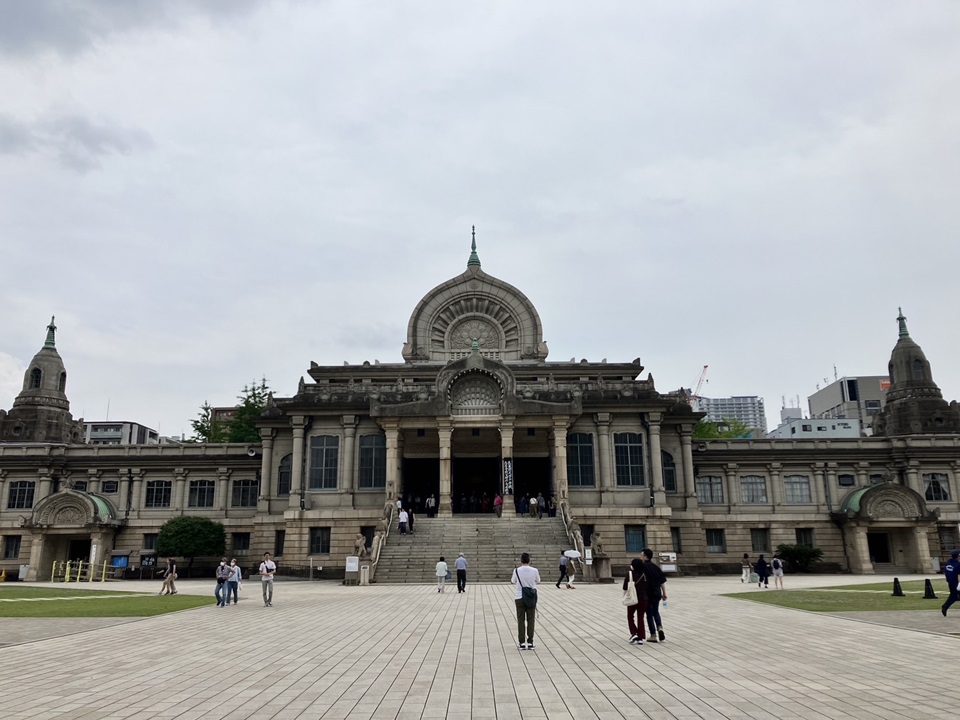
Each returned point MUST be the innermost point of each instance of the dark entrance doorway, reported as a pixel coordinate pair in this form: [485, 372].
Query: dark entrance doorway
[879, 545]
[79, 549]
[531, 475]
[420, 479]
[473, 478]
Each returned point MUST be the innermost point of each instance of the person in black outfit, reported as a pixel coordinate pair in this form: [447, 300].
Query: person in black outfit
[635, 613]
[952, 572]
[655, 593]
[763, 572]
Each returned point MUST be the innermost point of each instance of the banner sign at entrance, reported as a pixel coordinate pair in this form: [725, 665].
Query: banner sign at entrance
[508, 476]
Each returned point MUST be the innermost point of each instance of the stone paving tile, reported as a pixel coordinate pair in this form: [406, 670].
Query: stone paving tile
[399, 652]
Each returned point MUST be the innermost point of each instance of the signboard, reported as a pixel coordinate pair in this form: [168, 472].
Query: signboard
[353, 563]
[93, 554]
[588, 556]
[669, 567]
[884, 384]
[119, 561]
[508, 476]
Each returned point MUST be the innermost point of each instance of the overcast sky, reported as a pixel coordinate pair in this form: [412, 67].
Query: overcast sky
[208, 193]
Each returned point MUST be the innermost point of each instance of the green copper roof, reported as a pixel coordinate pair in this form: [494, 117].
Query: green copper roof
[104, 509]
[903, 324]
[51, 332]
[852, 501]
[474, 258]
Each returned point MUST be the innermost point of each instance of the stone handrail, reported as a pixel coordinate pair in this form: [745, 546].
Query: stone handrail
[379, 540]
[571, 527]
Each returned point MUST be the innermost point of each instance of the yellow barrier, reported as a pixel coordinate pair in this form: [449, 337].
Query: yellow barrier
[66, 577]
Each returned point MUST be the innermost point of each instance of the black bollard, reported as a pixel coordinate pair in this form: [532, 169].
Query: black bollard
[928, 593]
[897, 590]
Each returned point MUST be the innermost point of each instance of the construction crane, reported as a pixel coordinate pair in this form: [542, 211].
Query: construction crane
[697, 386]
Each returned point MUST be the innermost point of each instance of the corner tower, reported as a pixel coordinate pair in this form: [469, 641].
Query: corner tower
[914, 403]
[41, 412]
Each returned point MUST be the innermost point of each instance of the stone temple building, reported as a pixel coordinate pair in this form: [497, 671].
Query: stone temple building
[475, 408]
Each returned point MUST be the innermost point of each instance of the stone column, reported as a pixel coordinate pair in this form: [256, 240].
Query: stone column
[296, 462]
[863, 474]
[444, 507]
[223, 489]
[37, 571]
[137, 494]
[506, 445]
[818, 475]
[560, 457]
[93, 481]
[913, 476]
[776, 488]
[266, 463]
[656, 464]
[733, 492]
[125, 497]
[861, 564]
[180, 489]
[686, 452]
[922, 541]
[351, 474]
[43, 487]
[391, 428]
[603, 452]
[830, 486]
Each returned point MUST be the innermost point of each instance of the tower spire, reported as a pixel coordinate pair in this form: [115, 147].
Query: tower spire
[903, 324]
[474, 258]
[51, 333]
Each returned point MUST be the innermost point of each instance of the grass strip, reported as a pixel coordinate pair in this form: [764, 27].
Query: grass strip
[13, 591]
[136, 606]
[833, 601]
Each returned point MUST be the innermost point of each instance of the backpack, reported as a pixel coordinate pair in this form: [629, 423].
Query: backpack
[777, 565]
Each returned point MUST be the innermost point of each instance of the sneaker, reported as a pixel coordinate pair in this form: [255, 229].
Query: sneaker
[943, 609]
[530, 646]
[640, 641]
[660, 635]
[522, 646]
[633, 638]
[653, 639]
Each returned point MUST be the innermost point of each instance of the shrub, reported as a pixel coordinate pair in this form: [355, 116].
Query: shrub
[799, 558]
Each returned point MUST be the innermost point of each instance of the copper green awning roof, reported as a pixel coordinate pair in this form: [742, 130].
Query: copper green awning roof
[104, 509]
[852, 501]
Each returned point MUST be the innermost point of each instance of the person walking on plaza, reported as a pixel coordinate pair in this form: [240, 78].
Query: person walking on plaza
[461, 565]
[402, 520]
[951, 571]
[222, 591]
[540, 503]
[763, 573]
[267, 570]
[441, 573]
[526, 578]
[777, 565]
[498, 505]
[564, 560]
[169, 587]
[637, 611]
[233, 582]
[655, 593]
[745, 568]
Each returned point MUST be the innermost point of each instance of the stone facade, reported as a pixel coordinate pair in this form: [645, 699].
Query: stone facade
[475, 408]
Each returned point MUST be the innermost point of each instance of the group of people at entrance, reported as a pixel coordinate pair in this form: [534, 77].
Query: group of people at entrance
[536, 506]
[761, 572]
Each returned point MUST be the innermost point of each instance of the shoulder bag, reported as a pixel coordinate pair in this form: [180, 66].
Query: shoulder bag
[630, 594]
[527, 594]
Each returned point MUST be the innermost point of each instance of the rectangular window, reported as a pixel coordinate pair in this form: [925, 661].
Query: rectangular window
[580, 460]
[669, 469]
[846, 480]
[586, 532]
[245, 492]
[150, 541]
[21, 495]
[806, 428]
[710, 489]
[279, 538]
[628, 457]
[109, 487]
[797, 489]
[201, 493]
[324, 457]
[876, 478]
[284, 475]
[11, 547]
[635, 538]
[158, 493]
[373, 461]
[716, 541]
[240, 542]
[677, 540]
[805, 537]
[320, 541]
[936, 487]
[759, 540]
[80, 485]
[753, 489]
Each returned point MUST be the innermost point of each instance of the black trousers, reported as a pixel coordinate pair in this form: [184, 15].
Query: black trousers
[563, 574]
[461, 580]
[952, 599]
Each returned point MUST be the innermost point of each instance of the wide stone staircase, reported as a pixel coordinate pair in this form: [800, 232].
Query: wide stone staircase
[491, 545]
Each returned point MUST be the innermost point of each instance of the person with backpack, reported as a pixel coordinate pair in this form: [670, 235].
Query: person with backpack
[222, 592]
[525, 579]
[638, 611]
[777, 565]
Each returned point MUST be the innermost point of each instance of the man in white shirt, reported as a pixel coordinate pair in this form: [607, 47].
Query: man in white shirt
[402, 519]
[461, 566]
[525, 577]
[267, 569]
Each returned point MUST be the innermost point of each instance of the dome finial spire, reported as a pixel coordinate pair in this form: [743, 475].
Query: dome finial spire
[903, 324]
[474, 258]
[51, 334]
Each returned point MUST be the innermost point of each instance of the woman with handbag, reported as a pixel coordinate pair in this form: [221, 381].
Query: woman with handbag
[635, 598]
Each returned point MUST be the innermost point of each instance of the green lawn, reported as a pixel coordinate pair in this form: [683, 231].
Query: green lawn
[939, 586]
[822, 600]
[15, 590]
[81, 603]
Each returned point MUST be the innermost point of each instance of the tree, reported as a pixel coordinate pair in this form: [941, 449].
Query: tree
[190, 537]
[799, 558]
[207, 428]
[709, 430]
[253, 399]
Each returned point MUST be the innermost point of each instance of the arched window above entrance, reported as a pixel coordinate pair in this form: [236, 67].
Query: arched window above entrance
[475, 394]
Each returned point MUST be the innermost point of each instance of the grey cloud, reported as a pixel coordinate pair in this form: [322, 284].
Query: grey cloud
[72, 26]
[79, 142]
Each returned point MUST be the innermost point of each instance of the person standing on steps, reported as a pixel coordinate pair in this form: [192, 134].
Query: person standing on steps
[402, 521]
[655, 593]
[431, 506]
[540, 503]
[525, 578]
[745, 568]
[461, 565]
[441, 573]
[267, 570]
[498, 505]
[410, 519]
[951, 571]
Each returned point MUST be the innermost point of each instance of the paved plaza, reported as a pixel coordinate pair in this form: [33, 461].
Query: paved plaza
[404, 651]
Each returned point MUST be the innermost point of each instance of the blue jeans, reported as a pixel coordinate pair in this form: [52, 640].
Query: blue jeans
[221, 592]
[653, 616]
[232, 587]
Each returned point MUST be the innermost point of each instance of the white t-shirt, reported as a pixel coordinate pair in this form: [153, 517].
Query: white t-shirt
[441, 569]
[526, 574]
[399, 504]
[403, 516]
[265, 567]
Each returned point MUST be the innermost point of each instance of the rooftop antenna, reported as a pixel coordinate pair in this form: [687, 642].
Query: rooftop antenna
[835, 378]
[108, 409]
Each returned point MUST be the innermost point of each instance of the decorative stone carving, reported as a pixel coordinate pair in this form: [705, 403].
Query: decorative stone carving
[596, 544]
[360, 546]
[463, 335]
[475, 394]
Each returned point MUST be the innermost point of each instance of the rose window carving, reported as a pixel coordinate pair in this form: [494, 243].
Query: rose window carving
[464, 334]
[475, 395]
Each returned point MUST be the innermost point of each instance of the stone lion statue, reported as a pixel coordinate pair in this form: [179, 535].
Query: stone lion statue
[596, 544]
[360, 546]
